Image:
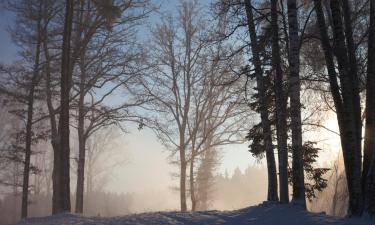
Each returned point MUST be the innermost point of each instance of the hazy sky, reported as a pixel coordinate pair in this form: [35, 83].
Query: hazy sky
[148, 165]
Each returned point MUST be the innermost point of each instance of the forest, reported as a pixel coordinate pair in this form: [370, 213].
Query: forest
[289, 83]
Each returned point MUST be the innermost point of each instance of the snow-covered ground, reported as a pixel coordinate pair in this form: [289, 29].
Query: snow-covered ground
[264, 214]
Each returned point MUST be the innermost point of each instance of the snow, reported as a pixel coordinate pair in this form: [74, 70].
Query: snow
[263, 214]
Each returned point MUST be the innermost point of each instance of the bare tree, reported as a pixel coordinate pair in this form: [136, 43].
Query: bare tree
[102, 158]
[102, 65]
[173, 79]
[217, 117]
[191, 105]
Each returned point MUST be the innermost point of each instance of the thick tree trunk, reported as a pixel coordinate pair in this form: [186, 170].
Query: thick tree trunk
[64, 150]
[30, 111]
[368, 174]
[281, 102]
[295, 106]
[266, 125]
[334, 87]
[351, 109]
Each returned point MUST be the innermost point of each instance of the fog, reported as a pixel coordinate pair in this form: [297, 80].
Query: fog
[134, 175]
[149, 176]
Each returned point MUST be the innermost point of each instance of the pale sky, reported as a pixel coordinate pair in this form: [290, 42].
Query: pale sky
[148, 164]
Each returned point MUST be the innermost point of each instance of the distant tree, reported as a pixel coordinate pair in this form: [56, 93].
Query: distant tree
[176, 51]
[190, 103]
[216, 118]
[205, 179]
[24, 85]
[102, 148]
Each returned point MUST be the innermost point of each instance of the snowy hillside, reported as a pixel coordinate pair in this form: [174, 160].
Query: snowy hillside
[264, 214]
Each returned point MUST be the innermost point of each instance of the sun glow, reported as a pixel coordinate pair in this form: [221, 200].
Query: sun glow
[328, 139]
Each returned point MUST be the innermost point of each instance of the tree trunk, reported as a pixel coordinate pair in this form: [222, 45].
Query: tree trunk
[53, 123]
[266, 125]
[328, 54]
[80, 173]
[30, 111]
[295, 106]
[368, 174]
[54, 133]
[81, 136]
[89, 178]
[351, 137]
[183, 165]
[183, 181]
[192, 186]
[334, 87]
[64, 150]
[281, 102]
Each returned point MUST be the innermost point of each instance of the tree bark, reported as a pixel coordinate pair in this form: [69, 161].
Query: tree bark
[82, 137]
[295, 106]
[281, 103]
[64, 150]
[53, 122]
[351, 107]
[54, 132]
[81, 149]
[369, 146]
[334, 87]
[330, 65]
[266, 125]
[80, 172]
[30, 111]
